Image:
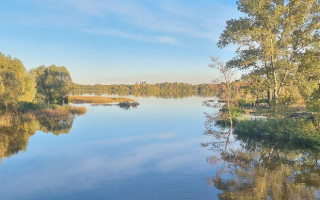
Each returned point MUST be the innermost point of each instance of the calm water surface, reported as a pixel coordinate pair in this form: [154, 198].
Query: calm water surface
[164, 149]
[151, 152]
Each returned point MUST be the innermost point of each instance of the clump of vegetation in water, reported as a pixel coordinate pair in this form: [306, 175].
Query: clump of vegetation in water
[77, 110]
[128, 105]
[60, 111]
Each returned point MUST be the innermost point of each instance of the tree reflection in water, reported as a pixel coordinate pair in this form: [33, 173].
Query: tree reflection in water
[255, 169]
[15, 133]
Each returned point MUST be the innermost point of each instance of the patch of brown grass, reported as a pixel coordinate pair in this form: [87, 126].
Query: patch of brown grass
[52, 113]
[59, 112]
[77, 110]
[98, 100]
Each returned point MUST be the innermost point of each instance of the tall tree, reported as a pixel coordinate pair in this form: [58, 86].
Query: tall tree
[274, 37]
[53, 83]
[16, 84]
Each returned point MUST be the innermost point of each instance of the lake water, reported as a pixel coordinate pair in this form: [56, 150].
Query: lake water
[163, 149]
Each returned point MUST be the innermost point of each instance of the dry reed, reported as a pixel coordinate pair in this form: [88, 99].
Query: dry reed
[59, 112]
[98, 100]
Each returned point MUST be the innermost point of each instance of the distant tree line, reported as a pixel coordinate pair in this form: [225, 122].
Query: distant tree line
[145, 89]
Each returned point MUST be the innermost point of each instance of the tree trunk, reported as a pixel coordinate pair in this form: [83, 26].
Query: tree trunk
[275, 84]
[282, 82]
[269, 100]
[230, 119]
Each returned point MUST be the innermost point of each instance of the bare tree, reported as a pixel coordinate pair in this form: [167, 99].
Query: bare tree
[227, 76]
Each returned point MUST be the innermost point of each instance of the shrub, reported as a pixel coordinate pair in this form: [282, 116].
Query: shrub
[30, 106]
[244, 103]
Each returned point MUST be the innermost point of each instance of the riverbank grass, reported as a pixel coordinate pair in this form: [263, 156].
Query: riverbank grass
[300, 132]
[59, 111]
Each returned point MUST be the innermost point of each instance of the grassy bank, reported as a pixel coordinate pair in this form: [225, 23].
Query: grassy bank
[98, 100]
[298, 132]
[295, 128]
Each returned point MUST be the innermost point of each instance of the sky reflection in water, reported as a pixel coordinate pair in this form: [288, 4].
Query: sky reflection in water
[163, 149]
[151, 152]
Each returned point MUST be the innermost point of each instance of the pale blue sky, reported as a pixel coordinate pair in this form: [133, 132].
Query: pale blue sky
[118, 41]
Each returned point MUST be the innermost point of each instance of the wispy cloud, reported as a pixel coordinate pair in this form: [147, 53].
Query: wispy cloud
[167, 19]
[170, 34]
[133, 36]
[170, 16]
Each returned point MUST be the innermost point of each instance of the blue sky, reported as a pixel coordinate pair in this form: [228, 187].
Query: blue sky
[118, 41]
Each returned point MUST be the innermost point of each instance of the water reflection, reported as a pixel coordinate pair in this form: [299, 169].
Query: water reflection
[158, 93]
[253, 169]
[56, 126]
[123, 105]
[15, 133]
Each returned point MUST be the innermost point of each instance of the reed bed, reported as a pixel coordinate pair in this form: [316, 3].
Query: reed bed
[59, 112]
[98, 100]
[77, 110]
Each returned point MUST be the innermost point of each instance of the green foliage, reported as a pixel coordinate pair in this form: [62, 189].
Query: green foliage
[18, 88]
[257, 84]
[308, 74]
[279, 45]
[290, 95]
[53, 83]
[313, 106]
[243, 103]
[16, 85]
[237, 114]
[236, 111]
[31, 106]
[296, 131]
